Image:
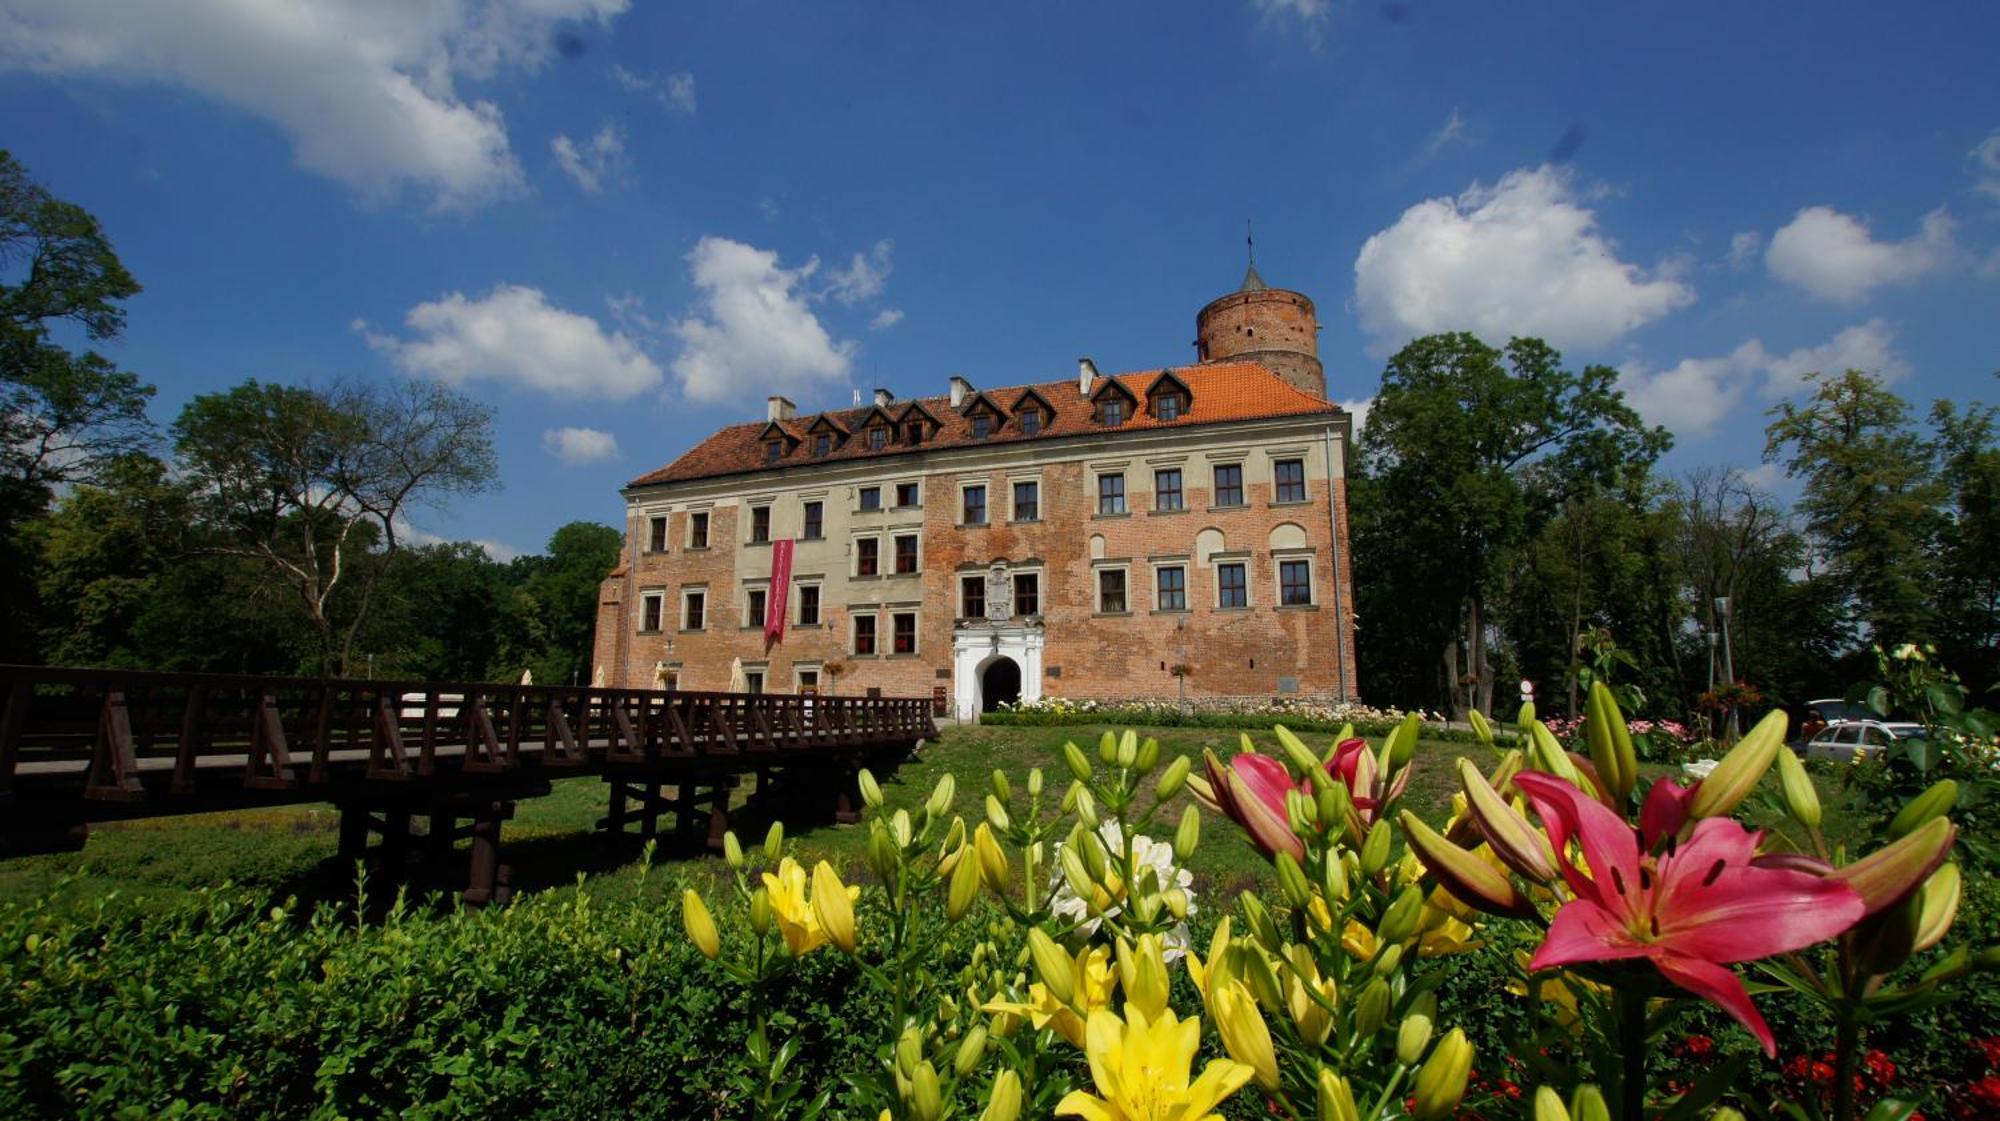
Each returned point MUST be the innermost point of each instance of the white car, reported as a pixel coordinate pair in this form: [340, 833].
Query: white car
[1845, 740]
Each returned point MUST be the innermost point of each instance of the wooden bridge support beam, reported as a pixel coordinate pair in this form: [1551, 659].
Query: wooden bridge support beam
[486, 878]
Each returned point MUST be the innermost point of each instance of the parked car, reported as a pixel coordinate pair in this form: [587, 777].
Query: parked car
[1843, 741]
[1824, 713]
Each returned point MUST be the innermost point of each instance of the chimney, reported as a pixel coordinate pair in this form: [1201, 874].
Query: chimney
[1086, 376]
[960, 390]
[780, 408]
[883, 397]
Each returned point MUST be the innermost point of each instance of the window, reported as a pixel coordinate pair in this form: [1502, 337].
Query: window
[1295, 583]
[1027, 594]
[754, 615]
[755, 679]
[809, 605]
[972, 597]
[1169, 406]
[867, 557]
[760, 524]
[1028, 502]
[774, 451]
[1172, 585]
[656, 534]
[1289, 480]
[808, 680]
[814, 526]
[864, 634]
[1229, 484]
[698, 530]
[822, 443]
[871, 498]
[903, 631]
[982, 426]
[878, 438]
[906, 553]
[1030, 421]
[652, 611]
[913, 432]
[694, 610]
[907, 494]
[1111, 412]
[1167, 489]
[1111, 590]
[1111, 494]
[1230, 588]
[975, 505]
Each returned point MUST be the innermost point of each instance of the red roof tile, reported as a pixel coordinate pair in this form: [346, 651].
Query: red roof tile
[1220, 392]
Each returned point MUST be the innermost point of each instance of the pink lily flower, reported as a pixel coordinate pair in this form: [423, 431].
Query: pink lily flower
[1693, 910]
[1251, 789]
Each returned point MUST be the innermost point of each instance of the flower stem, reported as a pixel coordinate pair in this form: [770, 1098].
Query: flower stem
[1846, 1050]
[1632, 1046]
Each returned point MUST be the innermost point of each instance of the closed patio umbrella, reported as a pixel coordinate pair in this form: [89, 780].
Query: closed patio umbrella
[739, 682]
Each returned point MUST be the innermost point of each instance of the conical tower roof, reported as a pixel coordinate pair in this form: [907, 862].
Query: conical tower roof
[1252, 282]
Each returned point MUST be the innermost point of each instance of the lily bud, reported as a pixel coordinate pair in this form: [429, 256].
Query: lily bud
[926, 1097]
[1107, 748]
[955, 835]
[1525, 719]
[1258, 919]
[774, 842]
[1610, 743]
[993, 867]
[1142, 973]
[1519, 845]
[1292, 880]
[941, 795]
[1002, 789]
[909, 1051]
[1375, 850]
[1738, 773]
[760, 912]
[1034, 782]
[1549, 1105]
[1391, 957]
[901, 829]
[1412, 1036]
[1074, 873]
[1052, 965]
[1469, 879]
[1301, 757]
[1176, 900]
[970, 1050]
[1096, 860]
[700, 925]
[1888, 875]
[1371, 1009]
[882, 852]
[1188, 833]
[1441, 1083]
[1398, 754]
[1004, 1104]
[1801, 799]
[1335, 1099]
[1587, 1103]
[732, 849]
[871, 791]
[1244, 1033]
[1333, 878]
[1400, 920]
[1149, 754]
[1086, 808]
[1480, 727]
[996, 813]
[1937, 906]
[1079, 767]
[834, 907]
[1728, 1113]
[964, 886]
[1936, 801]
[1127, 755]
[1172, 779]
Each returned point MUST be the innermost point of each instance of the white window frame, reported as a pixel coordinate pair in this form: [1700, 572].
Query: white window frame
[760, 585]
[918, 537]
[666, 533]
[854, 567]
[987, 505]
[916, 633]
[1216, 561]
[1278, 562]
[855, 615]
[656, 596]
[798, 603]
[1305, 475]
[707, 516]
[1035, 481]
[1097, 492]
[1186, 570]
[1215, 484]
[1097, 572]
[899, 485]
[1013, 593]
[706, 607]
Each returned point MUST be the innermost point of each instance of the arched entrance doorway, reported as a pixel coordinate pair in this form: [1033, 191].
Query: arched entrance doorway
[999, 683]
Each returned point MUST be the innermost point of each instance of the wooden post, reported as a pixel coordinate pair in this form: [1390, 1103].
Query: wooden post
[353, 831]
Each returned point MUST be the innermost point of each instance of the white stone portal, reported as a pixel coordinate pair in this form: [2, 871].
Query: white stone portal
[975, 647]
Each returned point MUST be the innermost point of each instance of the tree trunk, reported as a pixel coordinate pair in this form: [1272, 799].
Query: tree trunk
[1451, 677]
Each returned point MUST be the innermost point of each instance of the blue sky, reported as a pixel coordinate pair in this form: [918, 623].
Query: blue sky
[624, 224]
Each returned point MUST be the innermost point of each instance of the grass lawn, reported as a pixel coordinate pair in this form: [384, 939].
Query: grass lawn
[290, 851]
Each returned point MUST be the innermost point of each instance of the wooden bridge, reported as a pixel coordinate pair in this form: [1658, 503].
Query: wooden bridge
[79, 746]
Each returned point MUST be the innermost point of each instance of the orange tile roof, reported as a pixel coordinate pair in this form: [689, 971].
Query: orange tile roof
[1220, 392]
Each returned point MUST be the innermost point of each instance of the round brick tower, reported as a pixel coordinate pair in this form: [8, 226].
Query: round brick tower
[1259, 323]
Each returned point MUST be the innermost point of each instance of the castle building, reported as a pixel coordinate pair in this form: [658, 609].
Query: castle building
[1165, 533]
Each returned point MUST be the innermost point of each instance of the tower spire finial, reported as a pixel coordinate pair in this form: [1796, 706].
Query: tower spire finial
[1250, 239]
[1251, 281]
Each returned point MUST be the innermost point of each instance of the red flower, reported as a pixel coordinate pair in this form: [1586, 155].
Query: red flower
[1880, 1069]
[1990, 1047]
[1691, 911]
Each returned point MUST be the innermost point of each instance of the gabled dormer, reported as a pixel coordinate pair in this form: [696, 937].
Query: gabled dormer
[1032, 413]
[916, 424]
[1112, 404]
[1168, 398]
[876, 428]
[779, 440]
[983, 416]
[825, 435]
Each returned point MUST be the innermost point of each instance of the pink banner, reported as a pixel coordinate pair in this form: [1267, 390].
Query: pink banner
[778, 600]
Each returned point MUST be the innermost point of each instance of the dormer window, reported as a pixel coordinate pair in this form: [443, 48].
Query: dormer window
[878, 438]
[1030, 421]
[1111, 412]
[913, 433]
[1169, 406]
[982, 426]
[774, 450]
[822, 444]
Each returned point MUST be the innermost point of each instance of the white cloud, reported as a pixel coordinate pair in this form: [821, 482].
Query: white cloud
[597, 159]
[1521, 257]
[499, 552]
[865, 275]
[513, 334]
[886, 318]
[1309, 17]
[1767, 477]
[1833, 256]
[1692, 397]
[675, 91]
[1452, 132]
[1986, 159]
[753, 332]
[577, 446]
[1743, 248]
[366, 92]
[1358, 407]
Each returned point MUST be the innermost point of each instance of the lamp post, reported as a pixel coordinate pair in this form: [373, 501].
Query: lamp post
[1728, 659]
[1180, 662]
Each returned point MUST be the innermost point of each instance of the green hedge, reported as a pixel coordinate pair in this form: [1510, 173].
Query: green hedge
[1247, 721]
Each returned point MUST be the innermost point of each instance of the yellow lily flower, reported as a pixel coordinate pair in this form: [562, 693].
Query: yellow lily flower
[1141, 1068]
[792, 906]
[1095, 981]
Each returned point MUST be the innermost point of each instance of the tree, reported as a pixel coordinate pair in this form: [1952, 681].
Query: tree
[1870, 497]
[1467, 451]
[288, 475]
[1968, 565]
[562, 589]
